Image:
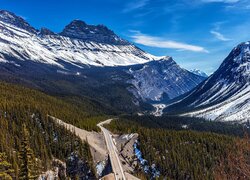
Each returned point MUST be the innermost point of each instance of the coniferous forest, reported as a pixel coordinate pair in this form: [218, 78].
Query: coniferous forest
[200, 152]
[181, 148]
[30, 141]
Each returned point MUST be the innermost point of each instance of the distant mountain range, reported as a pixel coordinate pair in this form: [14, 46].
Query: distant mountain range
[199, 72]
[92, 61]
[225, 95]
[88, 60]
[162, 80]
[77, 45]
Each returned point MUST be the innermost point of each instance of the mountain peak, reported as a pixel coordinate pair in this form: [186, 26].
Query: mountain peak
[224, 96]
[199, 72]
[11, 18]
[242, 52]
[166, 58]
[236, 67]
[78, 29]
[77, 23]
[45, 31]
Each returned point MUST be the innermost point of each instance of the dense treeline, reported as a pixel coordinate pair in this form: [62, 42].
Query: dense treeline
[45, 140]
[190, 123]
[103, 88]
[186, 154]
[14, 97]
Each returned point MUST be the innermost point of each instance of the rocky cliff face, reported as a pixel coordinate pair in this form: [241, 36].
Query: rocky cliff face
[199, 72]
[162, 80]
[79, 45]
[79, 54]
[225, 95]
[100, 33]
[19, 22]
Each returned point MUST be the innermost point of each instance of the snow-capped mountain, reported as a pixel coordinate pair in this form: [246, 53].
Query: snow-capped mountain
[78, 44]
[10, 18]
[88, 59]
[225, 95]
[78, 29]
[162, 80]
[199, 72]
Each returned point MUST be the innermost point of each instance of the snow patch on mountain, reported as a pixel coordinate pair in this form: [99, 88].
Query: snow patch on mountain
[199, 72]
[78, 29]
[11, 18]
[236, 108]
[162, 80]
[225, 95]
[158, 109]
[80, 45]
[18, 40]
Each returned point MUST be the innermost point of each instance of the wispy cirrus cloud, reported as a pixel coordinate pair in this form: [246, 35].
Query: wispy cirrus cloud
[219, 36]
[216, 31]
[222, 1]
[231, 4]
[136, 4]
[242, 4]
[159, 42]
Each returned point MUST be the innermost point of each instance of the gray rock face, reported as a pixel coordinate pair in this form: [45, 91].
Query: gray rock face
[17, 21]
[79, 45]
[45, 32]
[224, 96]
[231, 77]
[199, 72]
[162, 80]
[80, 30]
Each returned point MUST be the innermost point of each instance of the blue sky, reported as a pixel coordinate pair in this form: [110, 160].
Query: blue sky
[196, 33]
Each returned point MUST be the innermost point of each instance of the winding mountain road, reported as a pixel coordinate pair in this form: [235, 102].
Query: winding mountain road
[118, 171]
[113, 153]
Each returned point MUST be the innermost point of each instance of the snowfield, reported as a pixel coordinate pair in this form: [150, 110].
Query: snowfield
[158, 109]
[234, 108]
[52, 48]
[225, 95]
[162, 79]
[81, 46]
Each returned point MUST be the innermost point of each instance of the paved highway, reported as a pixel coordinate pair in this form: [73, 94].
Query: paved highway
[112, 150]
[113, 153]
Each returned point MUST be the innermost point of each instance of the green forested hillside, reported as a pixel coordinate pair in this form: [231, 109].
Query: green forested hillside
[187, 154]
[81, 113]
[175, 122]
[103, 88]
[181, 148]
[21, 106]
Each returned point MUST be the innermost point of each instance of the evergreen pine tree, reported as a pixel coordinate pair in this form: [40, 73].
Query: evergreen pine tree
[5, 168]
[28, 168]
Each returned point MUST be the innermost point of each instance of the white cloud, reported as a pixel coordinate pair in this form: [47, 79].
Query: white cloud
[242, 4]
[158, 42]
[137, 4]
[223, 1]
[219, 36]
